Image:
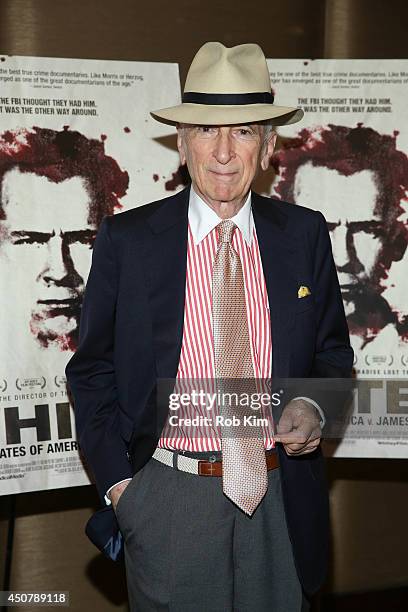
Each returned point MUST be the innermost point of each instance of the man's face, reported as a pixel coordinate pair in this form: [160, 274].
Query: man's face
[223, 160]
[356, 231]
[45, 243]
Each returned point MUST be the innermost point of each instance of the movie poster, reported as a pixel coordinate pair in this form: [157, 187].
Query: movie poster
[76, 143]
[348, 158]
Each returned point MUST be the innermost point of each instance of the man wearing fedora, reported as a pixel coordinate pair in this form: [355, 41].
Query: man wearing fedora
[215, 283]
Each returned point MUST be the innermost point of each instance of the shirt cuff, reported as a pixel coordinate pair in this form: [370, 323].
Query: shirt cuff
[319, 410]
[107, 498]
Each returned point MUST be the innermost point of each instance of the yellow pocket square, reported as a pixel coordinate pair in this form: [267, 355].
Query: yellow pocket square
[303, 291]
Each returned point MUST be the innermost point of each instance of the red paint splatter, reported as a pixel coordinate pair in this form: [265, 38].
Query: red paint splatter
[180, 177]
[155, 177]
[47, 337]
[127, 130]
[60, 155]
[8, 137]
[350, 150]
[103, 137]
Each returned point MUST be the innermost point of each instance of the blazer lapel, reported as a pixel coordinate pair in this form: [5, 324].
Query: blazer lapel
[165, 263]
[277, 250]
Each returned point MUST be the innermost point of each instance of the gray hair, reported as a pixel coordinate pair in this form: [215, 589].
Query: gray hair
[268, 131]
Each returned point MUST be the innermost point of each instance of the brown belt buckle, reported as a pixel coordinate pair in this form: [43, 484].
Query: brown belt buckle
[210, 468]
[214, 468]
[272, 460]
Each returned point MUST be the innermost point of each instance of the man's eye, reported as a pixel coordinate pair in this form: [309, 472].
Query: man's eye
[29, 237]
[245, 132]
[86, 237]
[375, 228]
[205, 130]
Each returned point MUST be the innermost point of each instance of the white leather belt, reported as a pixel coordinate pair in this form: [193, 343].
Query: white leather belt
[176, 460]
[210, 466]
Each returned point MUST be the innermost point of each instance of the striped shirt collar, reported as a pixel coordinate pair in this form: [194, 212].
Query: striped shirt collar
[202, 219]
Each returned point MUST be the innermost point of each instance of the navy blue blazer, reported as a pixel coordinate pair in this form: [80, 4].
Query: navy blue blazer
[131, 332]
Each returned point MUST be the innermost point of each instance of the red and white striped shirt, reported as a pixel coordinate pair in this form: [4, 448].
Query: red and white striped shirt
[197, 349]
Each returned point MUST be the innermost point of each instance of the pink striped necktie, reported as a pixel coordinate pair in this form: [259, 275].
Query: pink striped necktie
[244, 474]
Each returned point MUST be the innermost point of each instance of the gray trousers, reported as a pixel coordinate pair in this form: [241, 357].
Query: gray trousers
[189, 549]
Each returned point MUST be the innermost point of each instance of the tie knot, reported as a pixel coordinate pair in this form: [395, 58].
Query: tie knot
[225, 230]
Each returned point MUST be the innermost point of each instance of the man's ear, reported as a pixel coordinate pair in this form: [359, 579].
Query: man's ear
[180, 145]
[269, 148]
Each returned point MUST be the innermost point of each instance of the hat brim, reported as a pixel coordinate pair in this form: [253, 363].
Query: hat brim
[205, 114]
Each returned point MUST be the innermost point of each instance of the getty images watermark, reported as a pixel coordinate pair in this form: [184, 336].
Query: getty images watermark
[371, 408]
[221, 407]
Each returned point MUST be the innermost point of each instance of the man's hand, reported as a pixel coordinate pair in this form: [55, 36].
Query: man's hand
[299, 428]
[116, 492]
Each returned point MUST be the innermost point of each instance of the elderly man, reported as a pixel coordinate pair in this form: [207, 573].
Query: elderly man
[214, 283]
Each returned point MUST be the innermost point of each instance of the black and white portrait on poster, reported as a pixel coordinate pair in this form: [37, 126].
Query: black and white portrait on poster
[76, 144]
[349, 160]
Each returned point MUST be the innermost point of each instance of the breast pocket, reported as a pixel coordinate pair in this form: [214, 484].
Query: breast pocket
[304, 303]
[304, 336]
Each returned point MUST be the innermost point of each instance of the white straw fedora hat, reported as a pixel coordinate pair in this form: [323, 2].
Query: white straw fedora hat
[228, 86]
